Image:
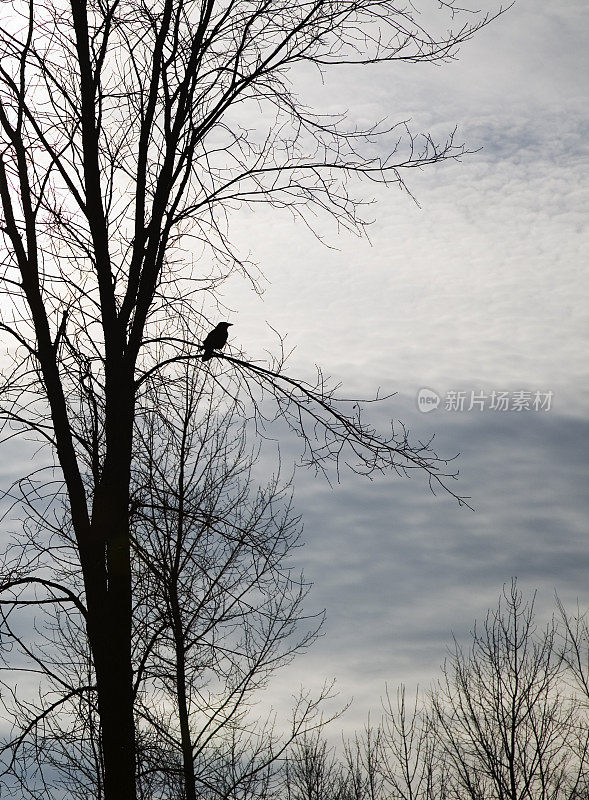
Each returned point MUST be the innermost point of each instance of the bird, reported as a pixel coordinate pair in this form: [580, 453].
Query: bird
[215, 340]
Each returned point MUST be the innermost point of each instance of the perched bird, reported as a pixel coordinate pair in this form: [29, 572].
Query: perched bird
[215, 340]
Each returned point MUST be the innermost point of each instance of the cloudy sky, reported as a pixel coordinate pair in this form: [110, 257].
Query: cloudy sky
[482, 288]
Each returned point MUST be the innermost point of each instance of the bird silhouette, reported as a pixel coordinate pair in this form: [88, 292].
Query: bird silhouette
[215, 340]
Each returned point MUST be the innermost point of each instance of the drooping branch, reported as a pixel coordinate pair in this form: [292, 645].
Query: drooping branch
[68, 595]
[317, 415]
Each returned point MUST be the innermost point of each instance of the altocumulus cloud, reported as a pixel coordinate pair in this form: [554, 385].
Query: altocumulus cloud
[482, 288]
[400, 571]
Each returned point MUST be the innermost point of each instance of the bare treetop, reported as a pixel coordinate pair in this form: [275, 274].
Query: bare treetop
[129, 132]
[143, 125]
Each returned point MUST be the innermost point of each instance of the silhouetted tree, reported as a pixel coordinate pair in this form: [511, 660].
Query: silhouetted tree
[507, 723]
[218, 609]
[312, 771]
[411, 767]
[575, 647]
[363, 761]
[123, 149]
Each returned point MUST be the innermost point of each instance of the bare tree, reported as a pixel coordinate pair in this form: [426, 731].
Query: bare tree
[312, 771]
[575, 647]
[47, 684]
[216, 613]
[218, 609]
[363, 761]
[506, 725]
[124, 148]
[411, 767]
[506, 722]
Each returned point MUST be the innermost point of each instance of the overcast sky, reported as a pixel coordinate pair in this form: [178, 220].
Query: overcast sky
[483, 288]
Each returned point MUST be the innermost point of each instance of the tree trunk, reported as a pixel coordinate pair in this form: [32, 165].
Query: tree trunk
[110, 615]
[186, 740]
[109, 631]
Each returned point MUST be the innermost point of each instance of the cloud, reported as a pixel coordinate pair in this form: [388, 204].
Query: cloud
[399, 571]
[483, 287]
